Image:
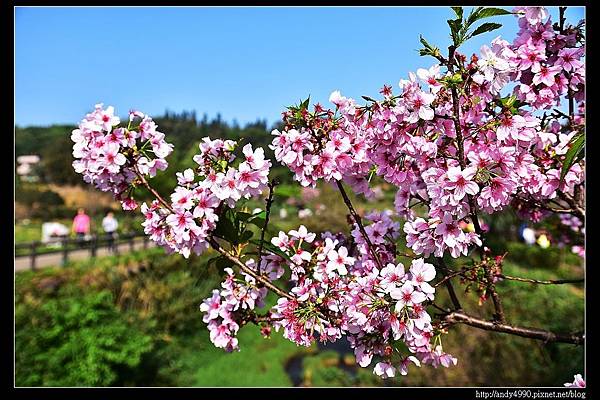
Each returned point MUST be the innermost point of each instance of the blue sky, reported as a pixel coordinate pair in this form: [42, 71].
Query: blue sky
[245, 63]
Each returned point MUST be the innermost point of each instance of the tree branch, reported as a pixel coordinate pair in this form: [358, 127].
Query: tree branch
[541, 282]
[562, 19]
[449, 287]
[532, 333]
[151, 190]
[215, 245]
[264, 228]
[260, 278]
[358, 221]
[454, 274]
[452, 294]
[579, 211]
[472, 206]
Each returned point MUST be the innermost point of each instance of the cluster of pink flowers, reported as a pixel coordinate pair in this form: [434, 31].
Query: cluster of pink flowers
[112, 157]
[437, 235]
[196, 201]
[572, 222]
[579, 250]
[337, 294]
[319, 272]
[410, 140]
[224, 311]
[497, 158]
[547, 63]
[388, 305]
[337, 155]
[116, 159]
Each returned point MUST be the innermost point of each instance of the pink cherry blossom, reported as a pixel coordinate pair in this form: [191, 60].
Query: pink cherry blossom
[384, 370]
[338, 260]
[578, 382]
[407, 296]
[461, 182]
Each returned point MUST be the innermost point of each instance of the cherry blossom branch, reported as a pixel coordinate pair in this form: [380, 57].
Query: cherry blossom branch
[152, 190]
[578, 209]
[486, 187]
[541, 282]
[454, 274]
[562, 19]
[444, 311]
[452, 294]
[449, 287]
[561, 114]
[358, 221]
[215, 245]
[532, 333]
[260, 278]
[571, 103]
[579, 213]
[264, 228]
[264, 318]
[472, 206]
[571, 100]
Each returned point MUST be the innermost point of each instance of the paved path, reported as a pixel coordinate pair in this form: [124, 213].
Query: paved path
[23, 263]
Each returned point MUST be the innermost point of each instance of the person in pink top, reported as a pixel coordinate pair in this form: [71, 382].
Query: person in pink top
[81, 225]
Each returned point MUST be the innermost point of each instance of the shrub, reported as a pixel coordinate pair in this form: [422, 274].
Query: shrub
[75, 341]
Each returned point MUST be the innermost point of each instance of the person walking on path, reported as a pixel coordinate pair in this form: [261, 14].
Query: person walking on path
[81, 226]
[110, 225]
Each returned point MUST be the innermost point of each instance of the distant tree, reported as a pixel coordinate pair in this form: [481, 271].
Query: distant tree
[56, 163]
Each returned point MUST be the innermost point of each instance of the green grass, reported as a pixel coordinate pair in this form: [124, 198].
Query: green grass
[28, 233]
[260, 362]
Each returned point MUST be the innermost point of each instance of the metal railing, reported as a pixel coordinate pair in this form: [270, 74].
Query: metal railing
[66, 245]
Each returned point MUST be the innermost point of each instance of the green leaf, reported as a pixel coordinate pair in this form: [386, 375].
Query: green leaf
[490, 12]
[574, 154]
[476, 15]
[456, 78]
[428, 49]
[424, 42]
[455, 26]
[262, 214]
[367, 98]
[246, 236]
[459, 12]
[258, 221]
[226, 229]
[519, 103]
[304, 104]
[508, 101]
[483, 28]
[452, 80]
[473, 16]
[243, 216]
